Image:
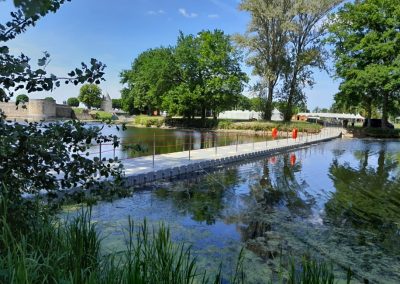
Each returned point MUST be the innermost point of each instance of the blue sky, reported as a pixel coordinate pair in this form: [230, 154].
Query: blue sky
[115, 32]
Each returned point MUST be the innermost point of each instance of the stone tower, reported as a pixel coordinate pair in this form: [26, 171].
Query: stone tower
[106, 104]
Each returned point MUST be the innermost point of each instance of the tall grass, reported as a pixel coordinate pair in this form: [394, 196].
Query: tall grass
[70, 252]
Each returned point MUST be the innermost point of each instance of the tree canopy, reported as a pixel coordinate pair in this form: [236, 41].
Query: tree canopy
[90, 95]
[21, 99]
[201, 73]
[74, 102]
[365, 35]
[284, 43]
[153, 73]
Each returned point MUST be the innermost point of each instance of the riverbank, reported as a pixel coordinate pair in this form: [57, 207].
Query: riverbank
[260, 128]
[364, 132]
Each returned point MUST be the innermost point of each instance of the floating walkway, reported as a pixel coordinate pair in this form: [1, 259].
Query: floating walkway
[142, 170]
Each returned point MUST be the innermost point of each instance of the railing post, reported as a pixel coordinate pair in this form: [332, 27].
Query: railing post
[190, 145]
[114, 153]
[237, 141]
[100, 151]
[154, 147]
[216, 143]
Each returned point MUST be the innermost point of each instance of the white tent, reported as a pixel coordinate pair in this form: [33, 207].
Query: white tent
[240, 115]
[276, 115]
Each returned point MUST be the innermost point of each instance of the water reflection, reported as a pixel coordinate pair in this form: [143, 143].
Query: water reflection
[201, 198]
[338, 201]
[368, 197]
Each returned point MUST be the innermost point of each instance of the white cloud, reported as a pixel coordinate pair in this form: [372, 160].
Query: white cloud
[154, 13]
[213, 16]
[186, 14]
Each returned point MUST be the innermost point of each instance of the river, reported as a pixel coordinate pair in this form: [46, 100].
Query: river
[338, 202]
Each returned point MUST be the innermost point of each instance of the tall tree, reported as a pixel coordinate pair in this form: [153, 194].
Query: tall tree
[367, 53]
[265, 40]
[209, 74]
[90, 95]
[153, 73]
[305, 48]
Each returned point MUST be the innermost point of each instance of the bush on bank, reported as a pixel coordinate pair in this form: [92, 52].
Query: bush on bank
[210, 123]
[149, 121]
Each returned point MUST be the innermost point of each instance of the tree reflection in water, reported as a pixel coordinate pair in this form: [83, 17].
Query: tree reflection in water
[367, 198]
[202, 198]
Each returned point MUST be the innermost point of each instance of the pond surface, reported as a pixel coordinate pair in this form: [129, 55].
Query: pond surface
[166, 140]
[338, 202]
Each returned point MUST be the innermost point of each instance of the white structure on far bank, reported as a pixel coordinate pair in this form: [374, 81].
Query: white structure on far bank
[241, 115]
[249, 115]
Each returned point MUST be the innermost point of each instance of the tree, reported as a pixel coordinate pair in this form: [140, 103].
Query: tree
[244, 103]
[90, 95]
[73, 102]
[304, 50]
[365, 37]
[265, 40]
[38, 156]
[49, 99]
[116, 103]
[209, 75]
[21, 99]
[153, 73]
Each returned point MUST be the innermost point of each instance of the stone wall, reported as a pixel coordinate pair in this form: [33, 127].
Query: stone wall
[13, 111]
[36, 110]
[64, 111]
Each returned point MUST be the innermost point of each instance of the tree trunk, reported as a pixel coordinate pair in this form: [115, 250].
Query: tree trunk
[203, 113]
[268, 104]
[287, 116]
[385, 110]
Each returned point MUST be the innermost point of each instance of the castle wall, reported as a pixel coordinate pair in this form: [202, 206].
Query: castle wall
[13, 111]
[36, 110]
[42, 109]
[64, 111]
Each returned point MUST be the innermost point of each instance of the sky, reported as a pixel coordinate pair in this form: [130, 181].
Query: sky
[116, 32]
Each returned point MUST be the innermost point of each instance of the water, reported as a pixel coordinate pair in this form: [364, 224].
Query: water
[338, 202]
[165, 141]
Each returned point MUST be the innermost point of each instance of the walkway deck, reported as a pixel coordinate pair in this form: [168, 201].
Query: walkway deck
[140, 170]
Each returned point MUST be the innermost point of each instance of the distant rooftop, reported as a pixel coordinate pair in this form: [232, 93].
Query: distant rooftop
[331, 115]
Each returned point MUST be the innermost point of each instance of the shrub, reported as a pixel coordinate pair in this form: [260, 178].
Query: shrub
[73, 102]
[149, 121]
[21, 99]
[117, 103]
[49, 99]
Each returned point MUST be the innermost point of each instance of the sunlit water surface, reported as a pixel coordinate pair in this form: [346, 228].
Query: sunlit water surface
[338, 202]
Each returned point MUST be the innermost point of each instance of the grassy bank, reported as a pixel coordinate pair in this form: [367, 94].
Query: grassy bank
[83, 114]
[154, 121]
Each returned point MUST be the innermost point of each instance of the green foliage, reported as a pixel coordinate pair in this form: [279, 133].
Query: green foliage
[16, 72]
[153, 74]
[90, 95]
[102, 115]
[21, 99]
[73, 102]
[117, 103]
[49, 99]
[284, 44]
[149, 121]
[365, 36]
[200, 73]
[211, 78]
[244, 103]
[35, 155]
[311, 272]
[71, 253]
[267, 126]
